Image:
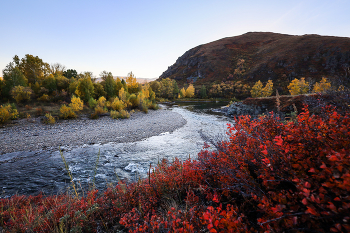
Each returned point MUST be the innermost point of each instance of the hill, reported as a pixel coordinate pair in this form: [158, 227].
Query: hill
[262, 56]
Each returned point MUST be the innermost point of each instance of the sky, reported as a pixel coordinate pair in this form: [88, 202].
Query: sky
[147, 36]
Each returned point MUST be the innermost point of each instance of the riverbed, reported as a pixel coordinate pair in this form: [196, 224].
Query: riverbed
[31, 172]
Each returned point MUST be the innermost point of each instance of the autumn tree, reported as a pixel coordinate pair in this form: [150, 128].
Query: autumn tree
[298, 87]
[21, 94]
[76, 104]
[322, 86]
[268, 89]
[190, 91]
[182, 93]
[57, 69]
[256, 90]
[133, 86]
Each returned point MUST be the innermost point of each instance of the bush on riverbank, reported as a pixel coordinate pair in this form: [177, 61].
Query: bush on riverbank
[271, 176]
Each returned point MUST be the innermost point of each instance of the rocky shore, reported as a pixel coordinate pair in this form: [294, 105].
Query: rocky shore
[31, 135]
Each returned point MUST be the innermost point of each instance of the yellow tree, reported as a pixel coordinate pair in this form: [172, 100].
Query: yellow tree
[256, 90]
[190, 91]
[122, 94]
[322, 86]
[76, 104]
[183, 93]
[268, 89]
[304, 86]
[132, 83]
[297, 87]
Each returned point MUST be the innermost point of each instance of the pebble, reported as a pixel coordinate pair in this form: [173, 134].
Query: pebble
[33, 135]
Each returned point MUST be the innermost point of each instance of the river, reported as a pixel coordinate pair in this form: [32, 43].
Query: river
[44, 171]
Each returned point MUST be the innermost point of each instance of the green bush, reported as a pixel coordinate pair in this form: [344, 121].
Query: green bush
[92, 103]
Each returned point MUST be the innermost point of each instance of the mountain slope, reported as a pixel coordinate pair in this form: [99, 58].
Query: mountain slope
[264, 55]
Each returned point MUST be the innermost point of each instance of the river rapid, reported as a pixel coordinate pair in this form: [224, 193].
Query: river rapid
[30, 173]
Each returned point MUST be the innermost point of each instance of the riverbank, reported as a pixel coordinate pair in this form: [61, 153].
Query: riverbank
[32, 135]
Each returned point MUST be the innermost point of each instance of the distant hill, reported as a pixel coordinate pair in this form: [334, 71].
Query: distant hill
[262, 56]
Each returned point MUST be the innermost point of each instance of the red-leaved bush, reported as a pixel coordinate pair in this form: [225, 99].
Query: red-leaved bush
[271, 176]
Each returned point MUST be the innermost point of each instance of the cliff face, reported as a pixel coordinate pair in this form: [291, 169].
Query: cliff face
[262, 56]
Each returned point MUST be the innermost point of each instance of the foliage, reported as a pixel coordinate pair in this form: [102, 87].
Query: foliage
[190, 91]
[322, 86]
[268, 89]
[44, 98]
[297, 87]
[76, 104]
[229, 89]
[21, 94]
[70, 73]
[259, 91]
[92, 103]
[133, 86]
[99, 90]
[120, 114]
[122, 94]
[118, 104]
[109, 84]
[203, 92]
[7, 112]
[256, 90]
[182, 93]
[12, 77]
[85, 88]
[33, 68]
[67, 112]
[270, 176]
[50, 83]
[49, 119]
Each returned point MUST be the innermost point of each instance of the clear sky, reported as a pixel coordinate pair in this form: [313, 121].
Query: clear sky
[147, 36]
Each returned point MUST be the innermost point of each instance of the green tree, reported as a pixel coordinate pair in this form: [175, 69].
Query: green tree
[176, 89]
[33, 68]
[12, 76]
[70, 73]
[49, 83]
[167, 88]
[256, 90]
[203, 92]
[85, 88]
[99, 90]
[109, 84]
[62, 82]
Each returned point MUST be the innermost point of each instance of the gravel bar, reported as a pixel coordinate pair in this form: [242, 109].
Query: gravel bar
[32, 135]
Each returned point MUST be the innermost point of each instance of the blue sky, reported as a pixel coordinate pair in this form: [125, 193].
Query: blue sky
[146, 37]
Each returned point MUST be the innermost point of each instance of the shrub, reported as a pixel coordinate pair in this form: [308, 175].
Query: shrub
[92, 103]
[120, 114]
[322, 86]
[38, 111]
[270, 176]
[100, 110]
[118, 104]
[297, 87]
[76, 104]
[21, 94]
[67, 112]
[49, 119]
[7, 112]
[101, 101]
[44, 98]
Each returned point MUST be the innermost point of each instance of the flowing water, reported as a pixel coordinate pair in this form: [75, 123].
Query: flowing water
[32, 172]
